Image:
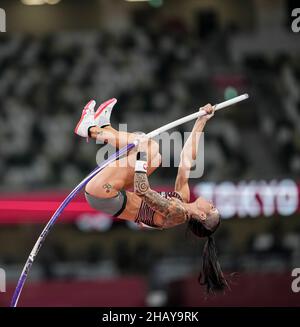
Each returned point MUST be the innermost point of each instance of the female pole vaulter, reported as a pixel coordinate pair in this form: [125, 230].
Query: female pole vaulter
[108, 191]
[201, 217]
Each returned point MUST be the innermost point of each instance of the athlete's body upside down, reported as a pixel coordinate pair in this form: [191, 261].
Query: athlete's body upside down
[108, 191]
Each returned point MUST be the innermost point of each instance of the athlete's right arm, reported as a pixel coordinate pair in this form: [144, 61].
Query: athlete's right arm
[189, 154]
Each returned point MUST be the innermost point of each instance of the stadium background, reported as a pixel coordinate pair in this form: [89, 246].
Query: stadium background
[161, 60]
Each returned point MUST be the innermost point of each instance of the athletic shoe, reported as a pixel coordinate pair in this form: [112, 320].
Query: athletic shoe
[102, 115]
[87, 120]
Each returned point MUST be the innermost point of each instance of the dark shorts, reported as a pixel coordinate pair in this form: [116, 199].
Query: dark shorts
[112, 206]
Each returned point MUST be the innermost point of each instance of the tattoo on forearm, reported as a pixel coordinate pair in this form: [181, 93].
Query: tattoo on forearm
[172, 210]
[141, 184]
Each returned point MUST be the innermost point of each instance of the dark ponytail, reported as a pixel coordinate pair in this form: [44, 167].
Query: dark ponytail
[211, 276]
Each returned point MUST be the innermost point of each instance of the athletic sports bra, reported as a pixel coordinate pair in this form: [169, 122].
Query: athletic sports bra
[146, 214]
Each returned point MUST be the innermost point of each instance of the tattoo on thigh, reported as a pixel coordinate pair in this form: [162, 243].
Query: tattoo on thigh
[107, 187]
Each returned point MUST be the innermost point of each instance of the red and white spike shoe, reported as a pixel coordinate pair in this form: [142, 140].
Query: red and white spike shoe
[87, 119]
[102, 114]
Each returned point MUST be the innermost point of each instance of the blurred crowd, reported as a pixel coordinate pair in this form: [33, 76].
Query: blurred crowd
[158, 74]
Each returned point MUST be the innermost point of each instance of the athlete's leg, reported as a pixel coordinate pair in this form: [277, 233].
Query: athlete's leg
[120, 174]
[112, 136]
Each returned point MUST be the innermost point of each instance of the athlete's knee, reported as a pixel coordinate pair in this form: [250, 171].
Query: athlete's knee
[159, 159]
[155, 160]
[153, 149]
[148, 145]
[153, 163]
